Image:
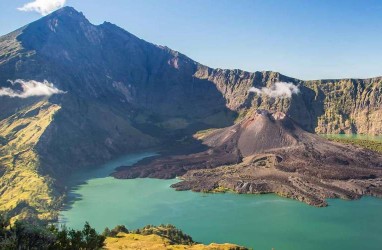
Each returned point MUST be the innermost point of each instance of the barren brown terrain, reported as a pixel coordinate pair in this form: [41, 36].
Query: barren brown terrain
[269, 153]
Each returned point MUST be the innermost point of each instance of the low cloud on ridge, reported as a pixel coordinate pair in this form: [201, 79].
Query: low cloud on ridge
[44, 7]
[30, 88]
[279, 89]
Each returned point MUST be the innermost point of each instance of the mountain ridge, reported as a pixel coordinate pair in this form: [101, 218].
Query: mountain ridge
[125, 94]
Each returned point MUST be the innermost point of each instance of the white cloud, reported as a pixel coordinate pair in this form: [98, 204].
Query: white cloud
[43, 7]
[30, 88]
[279, 89]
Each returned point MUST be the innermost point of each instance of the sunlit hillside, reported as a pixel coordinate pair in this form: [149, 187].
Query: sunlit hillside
[23, 189]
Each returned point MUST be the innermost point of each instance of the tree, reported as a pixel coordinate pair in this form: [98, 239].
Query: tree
[31, 236]
[115, 231]
[91, 239]
[106, 232]
[62, 238]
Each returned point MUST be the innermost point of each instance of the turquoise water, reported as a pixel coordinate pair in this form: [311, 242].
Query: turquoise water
[258, 221]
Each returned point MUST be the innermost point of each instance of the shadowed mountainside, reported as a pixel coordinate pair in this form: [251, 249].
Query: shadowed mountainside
[124, 94]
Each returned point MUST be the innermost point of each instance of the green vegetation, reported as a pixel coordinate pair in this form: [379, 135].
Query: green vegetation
[115, 231]
[348, 105]
[157, 237]
[242, 114]
[203, 133]
[24, 191]
[170, 232]
[176, 236]
[221, 189]
[10, 47]
[369, 144]
[35, 235]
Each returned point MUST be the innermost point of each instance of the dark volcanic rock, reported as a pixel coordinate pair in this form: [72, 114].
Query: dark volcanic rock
[269, 153]
[151, 95]
[124, 94]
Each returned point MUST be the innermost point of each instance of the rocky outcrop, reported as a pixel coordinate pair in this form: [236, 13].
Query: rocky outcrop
[124, 94]
[349, 106]
[269, 153]
[323, 106]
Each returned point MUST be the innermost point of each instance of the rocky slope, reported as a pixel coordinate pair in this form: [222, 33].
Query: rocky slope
[323, 106]
[23, 189]
[269, 153]
[120, 94]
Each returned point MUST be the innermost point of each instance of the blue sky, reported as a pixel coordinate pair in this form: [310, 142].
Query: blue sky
[311, 39]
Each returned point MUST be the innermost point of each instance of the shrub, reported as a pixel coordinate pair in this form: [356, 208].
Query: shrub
[29, 235]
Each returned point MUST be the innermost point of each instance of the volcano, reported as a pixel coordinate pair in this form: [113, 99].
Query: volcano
[112, 93]
[267, 152]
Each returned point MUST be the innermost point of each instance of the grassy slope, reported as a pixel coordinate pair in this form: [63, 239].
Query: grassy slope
[369, 144]
[153, 241]
[22, 188]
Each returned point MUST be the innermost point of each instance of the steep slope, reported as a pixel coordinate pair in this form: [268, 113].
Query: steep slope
[270, 153]
[139, 89]
[323, 106]
[23, 189]
[121, 94]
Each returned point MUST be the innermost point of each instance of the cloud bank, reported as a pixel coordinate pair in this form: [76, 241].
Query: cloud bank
[279, 89]
[44, 7]
[30, 88]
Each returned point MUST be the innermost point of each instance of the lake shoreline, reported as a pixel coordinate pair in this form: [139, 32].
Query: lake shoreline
[229, 217]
